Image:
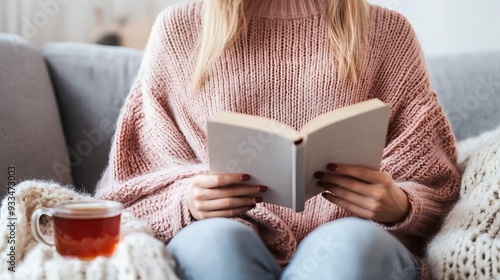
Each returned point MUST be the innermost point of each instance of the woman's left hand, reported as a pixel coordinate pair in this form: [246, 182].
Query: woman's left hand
[364, 192]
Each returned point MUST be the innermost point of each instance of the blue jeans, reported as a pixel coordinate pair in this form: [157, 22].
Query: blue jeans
[344, 249]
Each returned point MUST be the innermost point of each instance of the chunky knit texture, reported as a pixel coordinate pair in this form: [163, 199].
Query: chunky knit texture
[281, 68]
[468, 245]
[138, 255]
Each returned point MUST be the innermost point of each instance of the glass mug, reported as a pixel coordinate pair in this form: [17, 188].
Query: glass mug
[84, 229]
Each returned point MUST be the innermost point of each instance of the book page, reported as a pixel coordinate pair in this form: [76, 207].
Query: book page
[264, 156]
[257, 123]
[357, 140]
[338, 115]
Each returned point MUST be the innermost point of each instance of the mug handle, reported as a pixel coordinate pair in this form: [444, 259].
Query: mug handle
[35, 226]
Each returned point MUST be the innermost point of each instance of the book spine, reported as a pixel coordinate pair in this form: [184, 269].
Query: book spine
[298, 173]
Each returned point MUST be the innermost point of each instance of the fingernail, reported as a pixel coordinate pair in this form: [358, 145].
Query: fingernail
[298, 142]
[319, 175]
[320, 184]
[258, 199]
[324, 195]
[332, 167]
[262, 189]
[245, 177]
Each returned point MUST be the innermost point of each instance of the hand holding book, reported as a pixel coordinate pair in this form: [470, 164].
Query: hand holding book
[367, 193]
[212, 196]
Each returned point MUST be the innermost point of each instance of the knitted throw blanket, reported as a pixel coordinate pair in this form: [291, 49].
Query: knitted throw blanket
[468, 244]
[138, 255]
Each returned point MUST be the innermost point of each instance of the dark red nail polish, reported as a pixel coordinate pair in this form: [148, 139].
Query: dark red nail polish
[320, 184]
[319, 175]
[263, 189]
[258, 199]
[332, 167]
[298, 142]
[245, 177]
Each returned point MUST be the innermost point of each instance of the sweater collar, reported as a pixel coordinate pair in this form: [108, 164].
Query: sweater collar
[284, 8]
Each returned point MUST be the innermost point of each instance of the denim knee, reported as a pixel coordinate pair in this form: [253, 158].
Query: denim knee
[352, 249]
[362, 234]
[365, 241]
[217, 234]
[221, 249]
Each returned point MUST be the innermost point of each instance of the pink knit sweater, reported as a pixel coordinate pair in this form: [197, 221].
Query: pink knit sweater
[281, 69]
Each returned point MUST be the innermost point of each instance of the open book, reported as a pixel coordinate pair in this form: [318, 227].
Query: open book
[285, 160]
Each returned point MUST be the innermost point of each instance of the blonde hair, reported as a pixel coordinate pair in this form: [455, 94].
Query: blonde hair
[224, 20]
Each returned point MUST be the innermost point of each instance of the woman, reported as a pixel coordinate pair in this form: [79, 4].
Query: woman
[289, 61]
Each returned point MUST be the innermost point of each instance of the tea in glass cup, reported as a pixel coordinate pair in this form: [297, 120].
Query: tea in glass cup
[84, 229]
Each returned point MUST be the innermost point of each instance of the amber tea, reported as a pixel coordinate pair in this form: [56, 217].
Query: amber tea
[84, 229]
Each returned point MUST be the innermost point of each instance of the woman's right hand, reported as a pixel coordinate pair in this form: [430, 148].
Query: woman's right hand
[211, 196]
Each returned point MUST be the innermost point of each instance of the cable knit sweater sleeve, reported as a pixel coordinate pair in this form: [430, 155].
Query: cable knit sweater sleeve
[151, 162]
[420, 152]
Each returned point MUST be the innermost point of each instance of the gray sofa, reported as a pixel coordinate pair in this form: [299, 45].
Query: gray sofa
[59, 104]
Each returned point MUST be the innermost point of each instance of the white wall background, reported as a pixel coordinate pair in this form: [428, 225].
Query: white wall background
[454, 26]
[443, 26]
[73, 20]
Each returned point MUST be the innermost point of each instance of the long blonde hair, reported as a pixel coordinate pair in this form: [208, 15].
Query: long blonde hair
[224, 20]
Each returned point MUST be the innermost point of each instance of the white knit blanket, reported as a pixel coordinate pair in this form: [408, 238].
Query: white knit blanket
[138, 255]
[468, 245]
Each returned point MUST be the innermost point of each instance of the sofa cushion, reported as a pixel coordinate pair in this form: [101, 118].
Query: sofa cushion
[468, 87]
[91, 83]
[31, 135]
